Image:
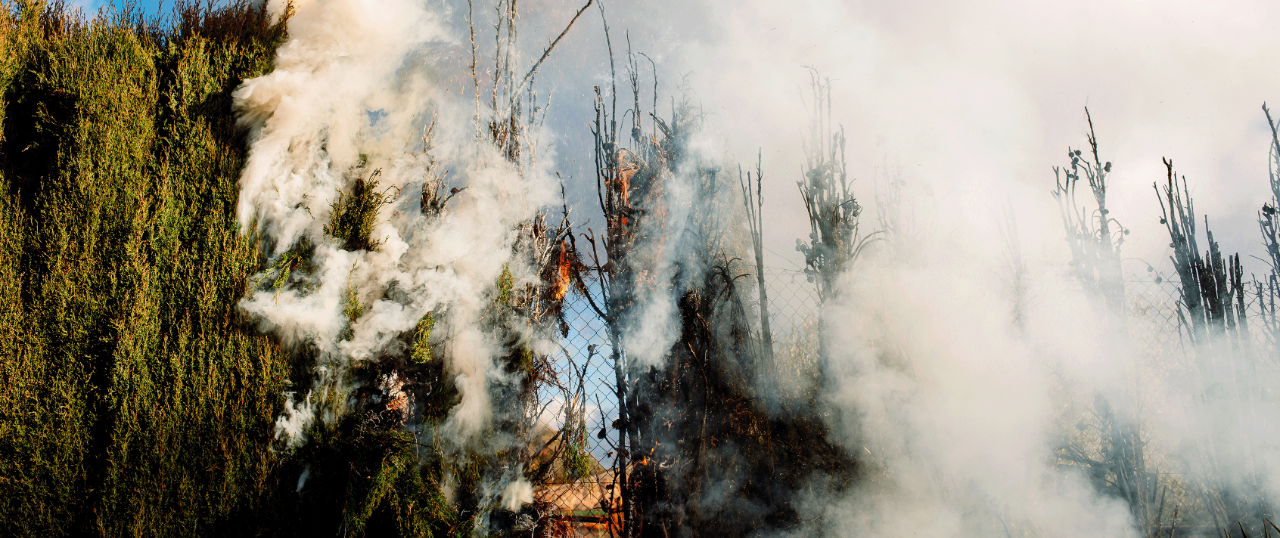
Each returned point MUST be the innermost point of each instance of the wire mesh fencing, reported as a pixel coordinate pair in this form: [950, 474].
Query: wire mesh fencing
[587, 352]
[1159, 327]
[586, 359]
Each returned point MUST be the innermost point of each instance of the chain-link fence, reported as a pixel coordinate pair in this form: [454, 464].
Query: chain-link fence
[793, 307]
[587, 360]
[1159, 328]
[1158, 334]
[1211, 380]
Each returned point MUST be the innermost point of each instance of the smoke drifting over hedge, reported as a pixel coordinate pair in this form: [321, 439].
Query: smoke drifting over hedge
[350, 100]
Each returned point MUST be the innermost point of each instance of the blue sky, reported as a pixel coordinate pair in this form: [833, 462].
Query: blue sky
[150, 6]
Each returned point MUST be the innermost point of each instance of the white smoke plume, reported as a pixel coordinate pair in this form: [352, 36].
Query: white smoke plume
[973, 104]
[960, 415]
[954, 410]
[671, 248]
[352, 92]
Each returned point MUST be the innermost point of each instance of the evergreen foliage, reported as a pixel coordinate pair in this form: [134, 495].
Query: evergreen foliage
[135, 401]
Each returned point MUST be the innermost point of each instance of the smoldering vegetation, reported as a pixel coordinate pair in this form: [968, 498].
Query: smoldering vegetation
[311, 268]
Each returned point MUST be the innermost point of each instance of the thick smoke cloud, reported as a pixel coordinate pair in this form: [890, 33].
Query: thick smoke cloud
[969, 106]
[960, 97]
[957, 409]
[953, 408]
[351, 94]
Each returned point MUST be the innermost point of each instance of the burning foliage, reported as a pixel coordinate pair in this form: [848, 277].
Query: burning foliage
[373, 460]
[154, 333]
[700, 449]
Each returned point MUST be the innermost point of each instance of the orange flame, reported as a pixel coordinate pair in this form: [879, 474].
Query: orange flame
[562, 273]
